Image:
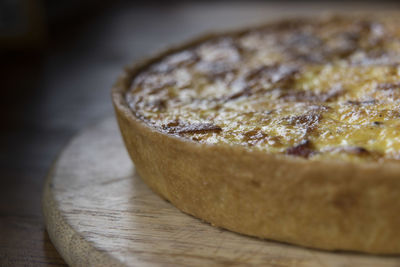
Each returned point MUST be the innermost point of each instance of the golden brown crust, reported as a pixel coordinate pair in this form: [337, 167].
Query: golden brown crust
[333, 205]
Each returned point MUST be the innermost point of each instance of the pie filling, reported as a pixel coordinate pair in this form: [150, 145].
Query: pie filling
[327, 88]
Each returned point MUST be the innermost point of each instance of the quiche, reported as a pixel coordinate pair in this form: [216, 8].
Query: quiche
[288, 131]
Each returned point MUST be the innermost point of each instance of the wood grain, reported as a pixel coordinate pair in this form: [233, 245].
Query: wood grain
[99, 212]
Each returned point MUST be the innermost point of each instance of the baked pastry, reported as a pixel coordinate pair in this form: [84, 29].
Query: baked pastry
[288, 131]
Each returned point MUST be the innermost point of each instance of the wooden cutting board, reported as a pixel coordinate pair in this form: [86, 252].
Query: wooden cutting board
[98, 212]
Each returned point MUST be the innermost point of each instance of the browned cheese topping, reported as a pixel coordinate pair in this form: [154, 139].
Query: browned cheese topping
[319, 88]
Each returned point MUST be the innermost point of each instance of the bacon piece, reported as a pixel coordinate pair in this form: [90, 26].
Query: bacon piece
[281, 76]
[181, 128]
[303, 149]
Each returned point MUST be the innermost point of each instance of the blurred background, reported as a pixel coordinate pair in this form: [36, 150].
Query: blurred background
[59, 60]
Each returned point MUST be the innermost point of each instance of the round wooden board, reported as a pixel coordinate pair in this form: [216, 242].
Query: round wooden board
[99, 212]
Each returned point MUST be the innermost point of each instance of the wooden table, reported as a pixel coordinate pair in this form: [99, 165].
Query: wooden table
[47, 97]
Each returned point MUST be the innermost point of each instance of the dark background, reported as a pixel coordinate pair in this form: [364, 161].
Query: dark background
[58, 61]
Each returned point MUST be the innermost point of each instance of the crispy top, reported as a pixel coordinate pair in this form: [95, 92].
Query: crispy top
[320, 88]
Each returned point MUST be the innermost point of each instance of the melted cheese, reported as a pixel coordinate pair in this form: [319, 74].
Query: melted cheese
[323, 89]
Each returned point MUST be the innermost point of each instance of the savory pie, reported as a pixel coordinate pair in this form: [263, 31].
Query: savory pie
[289, 131]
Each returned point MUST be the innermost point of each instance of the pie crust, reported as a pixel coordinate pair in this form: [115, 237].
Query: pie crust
[325, 204]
